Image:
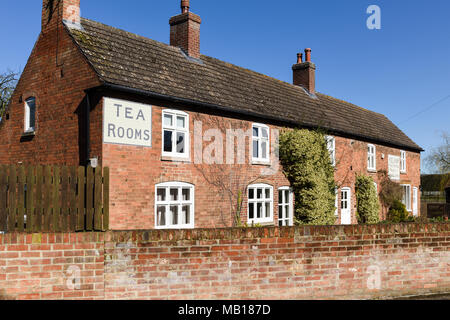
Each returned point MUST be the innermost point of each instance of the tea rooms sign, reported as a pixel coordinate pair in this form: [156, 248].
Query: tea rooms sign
[127, 123]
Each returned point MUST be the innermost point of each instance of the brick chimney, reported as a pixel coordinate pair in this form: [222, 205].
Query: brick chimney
[56, 11]
[305, 72]
[185, 31]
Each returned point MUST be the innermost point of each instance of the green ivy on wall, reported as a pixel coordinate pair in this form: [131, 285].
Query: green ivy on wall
[368, 206]
[307, 165]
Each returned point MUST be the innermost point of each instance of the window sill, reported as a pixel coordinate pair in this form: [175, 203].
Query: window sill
[264, 224]
[175, 228]
[261, 163]
[403, 172]
[29, 134]
[175, 159]
[372, 170]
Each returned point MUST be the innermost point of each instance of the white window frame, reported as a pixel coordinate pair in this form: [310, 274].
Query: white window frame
[27, 125]
[260, 139]
[282, 203]
[180, 203]
[376, 188]
[336, 202]
[402, 161]
[407, 197]
[331, 146]
[175, 129]
[371, 157]
[263, 201]
[415, 201]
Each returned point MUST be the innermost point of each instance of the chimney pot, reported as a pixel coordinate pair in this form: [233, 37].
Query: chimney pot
[308, 54]
[184, 6]
[299, 58]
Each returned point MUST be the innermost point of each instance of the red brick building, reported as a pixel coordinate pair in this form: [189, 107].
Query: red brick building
[186, 136]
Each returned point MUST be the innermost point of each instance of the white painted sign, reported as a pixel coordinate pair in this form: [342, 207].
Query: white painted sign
[126, 122]
[394, 167]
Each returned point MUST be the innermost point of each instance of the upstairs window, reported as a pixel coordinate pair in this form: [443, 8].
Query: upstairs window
[175, 134]
[30, 115]
[260, 143]
[403, 161]
[260, 203]
[331, 146]
[371, 158]
[174, 206]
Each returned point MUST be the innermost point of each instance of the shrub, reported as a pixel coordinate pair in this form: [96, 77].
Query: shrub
[398, 213]
[368, 207]
[391, 191]
[307, 165]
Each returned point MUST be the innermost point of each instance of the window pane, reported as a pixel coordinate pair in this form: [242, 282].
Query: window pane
[287, 215]
[168, 141]
[161, 216]
[259, 193]
[268, 193]
[181, 122]
[32, 106]
[265, 133]
[268, 210]
[251, 210]
[286, 196]
[174, 212]
[180, 142]
[168, 120]
[280, 197]
[259, 208]
[264, 150]
[186, 194]
[255, 149]
[251, 193]
[255, 132]
[173, 194]
[186, 213]
[280, 212]
[161, 195]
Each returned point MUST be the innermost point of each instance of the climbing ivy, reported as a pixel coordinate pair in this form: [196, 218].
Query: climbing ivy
[307, 165]
[368, 206]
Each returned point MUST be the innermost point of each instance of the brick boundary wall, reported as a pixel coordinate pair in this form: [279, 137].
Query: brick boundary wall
[337, 262]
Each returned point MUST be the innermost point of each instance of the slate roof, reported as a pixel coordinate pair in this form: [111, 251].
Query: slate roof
[128, 60]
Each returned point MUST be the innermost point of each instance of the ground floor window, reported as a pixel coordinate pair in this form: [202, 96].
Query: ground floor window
[285, 207]
[174, 205]
[260, 203]
[406, 200]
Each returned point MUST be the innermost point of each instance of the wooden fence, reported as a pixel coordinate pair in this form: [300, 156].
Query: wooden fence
[53, 199]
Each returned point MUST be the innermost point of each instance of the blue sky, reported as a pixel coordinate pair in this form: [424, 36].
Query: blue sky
[401, 70]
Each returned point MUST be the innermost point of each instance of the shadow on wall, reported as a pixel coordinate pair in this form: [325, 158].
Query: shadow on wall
[4, 296]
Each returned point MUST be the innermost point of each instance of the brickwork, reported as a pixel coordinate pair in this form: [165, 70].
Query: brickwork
[338, 262]
[134, 194]
[56, 75]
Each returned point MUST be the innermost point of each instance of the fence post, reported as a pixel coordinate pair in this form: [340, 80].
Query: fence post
[105, 199]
